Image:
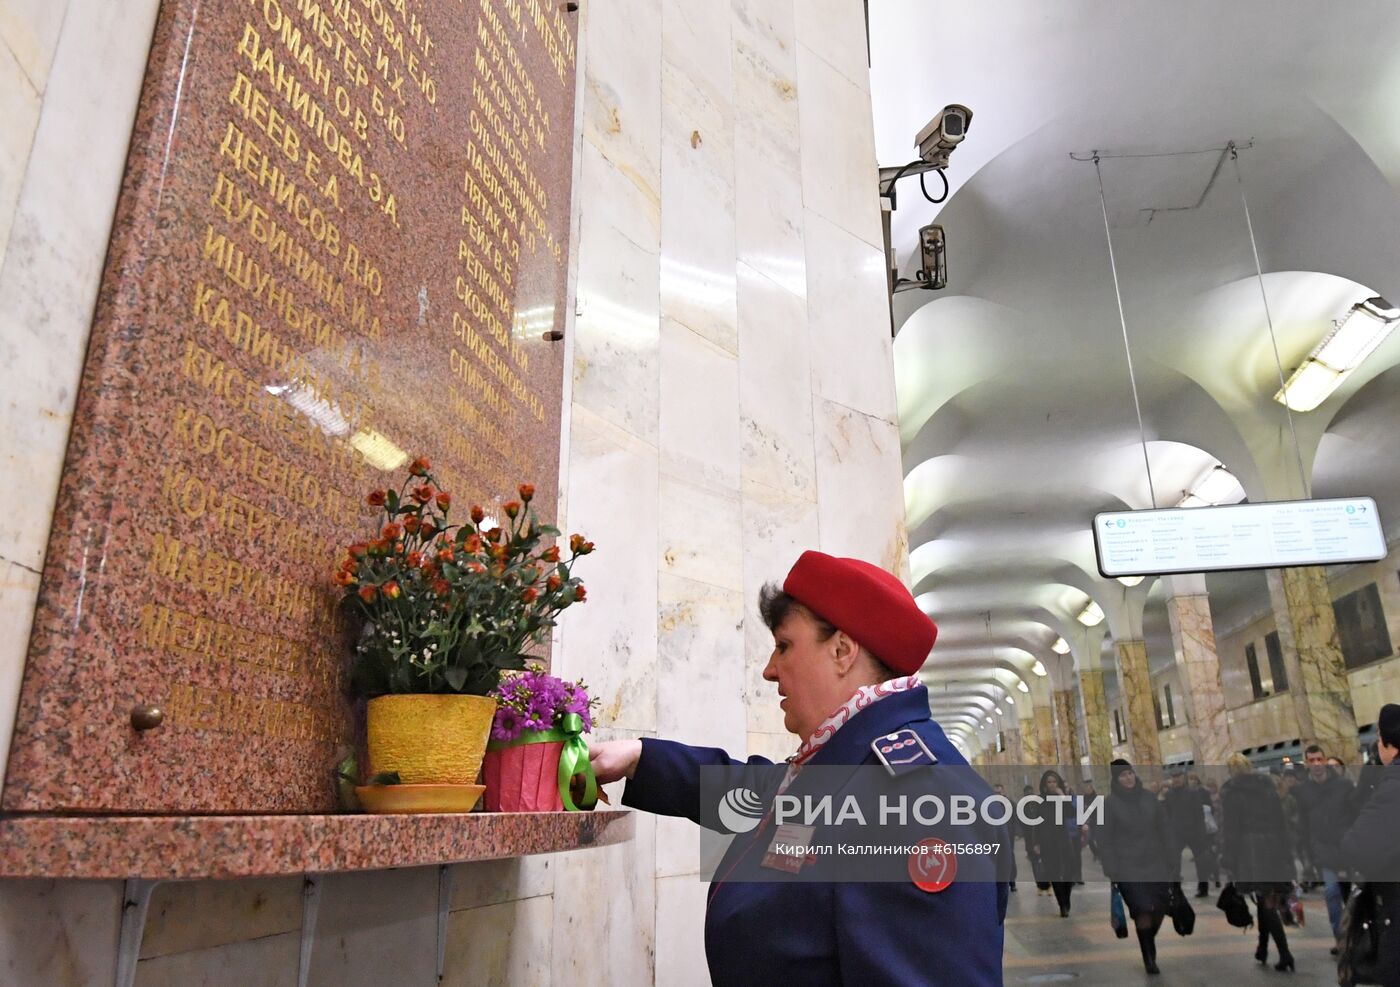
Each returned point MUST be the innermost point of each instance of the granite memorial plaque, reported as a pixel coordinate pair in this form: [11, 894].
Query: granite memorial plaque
[341, 241]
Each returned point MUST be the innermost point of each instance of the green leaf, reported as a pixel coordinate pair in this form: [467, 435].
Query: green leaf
[548, 529]
[392, 499]
[386, 778]
[456, 677]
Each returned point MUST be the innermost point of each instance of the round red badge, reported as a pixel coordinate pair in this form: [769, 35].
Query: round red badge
[933, 865]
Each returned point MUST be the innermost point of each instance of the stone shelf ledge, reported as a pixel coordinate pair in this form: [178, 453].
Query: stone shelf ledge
[177, 848]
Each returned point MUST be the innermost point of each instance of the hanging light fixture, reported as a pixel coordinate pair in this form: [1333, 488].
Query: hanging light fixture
[1091, 615]
[1218, 486]
[1131, 581]
[1021, 685]
[1341, 351]
[1039, 668]
[1060, 647]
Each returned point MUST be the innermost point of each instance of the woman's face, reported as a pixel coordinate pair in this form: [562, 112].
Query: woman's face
[806, 671]
[1127, 779]
[1052, 786]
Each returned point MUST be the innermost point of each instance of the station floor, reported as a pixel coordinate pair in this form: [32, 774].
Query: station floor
[1081, 950]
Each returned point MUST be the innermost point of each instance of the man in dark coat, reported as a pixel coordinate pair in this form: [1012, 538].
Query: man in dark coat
[1186, 809]
[1372, 846]
[1326, 810]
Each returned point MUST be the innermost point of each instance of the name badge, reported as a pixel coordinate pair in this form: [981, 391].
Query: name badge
[788, 850]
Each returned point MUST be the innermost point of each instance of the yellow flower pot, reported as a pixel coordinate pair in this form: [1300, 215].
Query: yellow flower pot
[428, 739]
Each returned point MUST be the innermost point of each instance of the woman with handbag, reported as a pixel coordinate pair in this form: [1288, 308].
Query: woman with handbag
[1054, 846]
[1139, 855]
[1371, 846]
[1258, 853]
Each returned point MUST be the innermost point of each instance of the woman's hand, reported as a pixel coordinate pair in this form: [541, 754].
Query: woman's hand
[614, 759]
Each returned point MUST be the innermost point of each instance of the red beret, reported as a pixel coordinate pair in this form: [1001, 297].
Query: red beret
[867, 603]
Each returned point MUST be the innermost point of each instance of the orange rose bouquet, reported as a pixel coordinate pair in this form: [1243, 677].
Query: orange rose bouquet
[445, 607]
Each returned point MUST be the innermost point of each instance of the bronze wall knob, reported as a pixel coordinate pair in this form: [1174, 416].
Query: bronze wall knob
[147, 717]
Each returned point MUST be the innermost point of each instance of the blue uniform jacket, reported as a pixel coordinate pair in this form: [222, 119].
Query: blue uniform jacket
[818, 934]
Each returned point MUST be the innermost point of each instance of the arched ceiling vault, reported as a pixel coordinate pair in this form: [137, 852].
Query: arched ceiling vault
[1017, 412]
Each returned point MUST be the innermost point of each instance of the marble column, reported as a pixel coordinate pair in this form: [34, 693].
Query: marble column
[1015, 747]
[1030, 743]
[1046, 750]
[1096, 719]
[1193, 640]
[1067, 723]
[1312, 655]
[1136, 683]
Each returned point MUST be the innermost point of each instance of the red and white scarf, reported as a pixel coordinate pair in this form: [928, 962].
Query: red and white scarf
[863, 698]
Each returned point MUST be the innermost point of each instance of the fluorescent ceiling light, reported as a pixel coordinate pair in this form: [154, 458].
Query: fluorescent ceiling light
[999, 712]
[1010, 701]
[1091, 615]
[989, 719]
[1060, 647]
[1038, 668]
[1022, 686]
[1131, 580]
[1341, 351]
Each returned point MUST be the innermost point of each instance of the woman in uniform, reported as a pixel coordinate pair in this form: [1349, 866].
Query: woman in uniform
[848, 640]
[1139, 855]
[1258, 852]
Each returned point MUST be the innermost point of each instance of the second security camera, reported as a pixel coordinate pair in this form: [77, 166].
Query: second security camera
[943, 133]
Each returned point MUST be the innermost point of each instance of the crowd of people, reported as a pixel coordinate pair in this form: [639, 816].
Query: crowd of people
[1273, 835]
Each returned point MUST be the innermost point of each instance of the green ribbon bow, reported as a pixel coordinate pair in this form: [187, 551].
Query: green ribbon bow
[573, 758]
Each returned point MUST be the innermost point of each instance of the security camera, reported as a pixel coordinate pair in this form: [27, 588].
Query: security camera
[943, 133]
[933, 258]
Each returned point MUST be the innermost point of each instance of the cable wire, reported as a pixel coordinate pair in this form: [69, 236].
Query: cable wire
[1268, 316]
[924, 189]
[1123, 322]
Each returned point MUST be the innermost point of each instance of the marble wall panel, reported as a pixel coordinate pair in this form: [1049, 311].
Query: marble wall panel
[617, 331]
[501, 945]
[700, 534]
[604, 927]
[186, 916]
[700, 663]
[19, 587]
[30, 30]
[622, 94]
[491, 882]
[775, 394]
[53, 261]
[19, 107]
[59, 933]
[778, 527]
[776, 747]
[767, 155]
[697, 180]
[835, 31]
[1137, 693]
[860, 503]
[375, 928]
[270, 961]
[680, 915]
[613, 499]
[852, 359]
[840, 179]
[699, 423]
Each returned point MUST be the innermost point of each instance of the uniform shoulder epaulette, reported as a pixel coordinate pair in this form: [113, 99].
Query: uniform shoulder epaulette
[902, 750]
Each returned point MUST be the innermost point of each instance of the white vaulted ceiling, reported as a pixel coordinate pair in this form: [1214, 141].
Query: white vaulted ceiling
[1017, 416]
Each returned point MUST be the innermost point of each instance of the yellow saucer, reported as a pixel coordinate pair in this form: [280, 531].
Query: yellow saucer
[419, 798]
